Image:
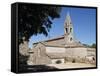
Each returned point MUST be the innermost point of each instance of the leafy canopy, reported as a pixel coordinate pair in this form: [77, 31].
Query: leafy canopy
[35, 19]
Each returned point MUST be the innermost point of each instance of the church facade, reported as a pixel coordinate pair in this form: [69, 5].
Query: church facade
[61, 49]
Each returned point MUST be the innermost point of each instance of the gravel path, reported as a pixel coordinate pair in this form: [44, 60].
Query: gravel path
[72, 65]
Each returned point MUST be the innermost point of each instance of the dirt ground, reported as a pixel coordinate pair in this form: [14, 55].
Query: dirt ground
[71, 65]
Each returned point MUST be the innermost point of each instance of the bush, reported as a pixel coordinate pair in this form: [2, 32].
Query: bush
[73, 61]
[58, 61]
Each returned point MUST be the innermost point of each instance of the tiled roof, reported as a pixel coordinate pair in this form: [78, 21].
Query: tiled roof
[60, 44]
[52, 39]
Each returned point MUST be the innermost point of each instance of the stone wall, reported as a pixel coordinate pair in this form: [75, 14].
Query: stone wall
[39, 56]
[68, 52]
[24, 49]
[55, 50]
[76, 52]
[58, 61]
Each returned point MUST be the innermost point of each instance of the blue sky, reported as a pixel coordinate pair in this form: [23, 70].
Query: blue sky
[84, 24]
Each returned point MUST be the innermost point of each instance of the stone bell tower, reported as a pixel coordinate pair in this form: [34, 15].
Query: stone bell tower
[68, 30]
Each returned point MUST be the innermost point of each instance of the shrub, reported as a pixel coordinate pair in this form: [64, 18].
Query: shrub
[73, 61]
[58, 61]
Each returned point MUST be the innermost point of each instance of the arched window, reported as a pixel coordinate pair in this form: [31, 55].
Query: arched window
[70, 29]
[66, 29]
[71, 39]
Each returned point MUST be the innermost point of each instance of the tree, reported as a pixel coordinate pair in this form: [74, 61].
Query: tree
[93, 45]
[36, 19]
[58, 62]
[33, 20]
[86, 45]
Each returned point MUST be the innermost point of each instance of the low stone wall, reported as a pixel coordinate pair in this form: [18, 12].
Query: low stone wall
[79, 60]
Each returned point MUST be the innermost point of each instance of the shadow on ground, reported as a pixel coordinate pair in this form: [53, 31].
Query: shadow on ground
[35, 68]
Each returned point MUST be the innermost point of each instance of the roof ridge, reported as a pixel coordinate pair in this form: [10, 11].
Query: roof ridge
[50, 39]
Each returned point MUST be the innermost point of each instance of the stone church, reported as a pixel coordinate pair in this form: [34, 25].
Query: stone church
[61, 49]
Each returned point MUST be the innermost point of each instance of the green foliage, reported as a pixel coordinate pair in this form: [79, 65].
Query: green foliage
[73, 61]
[36, 19]
[33, 20]
[93, 45]
[86, 45]
[23, 60]
[58, 61]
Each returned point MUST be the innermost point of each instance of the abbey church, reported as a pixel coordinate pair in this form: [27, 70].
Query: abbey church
[60, 50]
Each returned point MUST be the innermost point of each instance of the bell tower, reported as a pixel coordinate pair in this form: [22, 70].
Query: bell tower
[68, 30]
